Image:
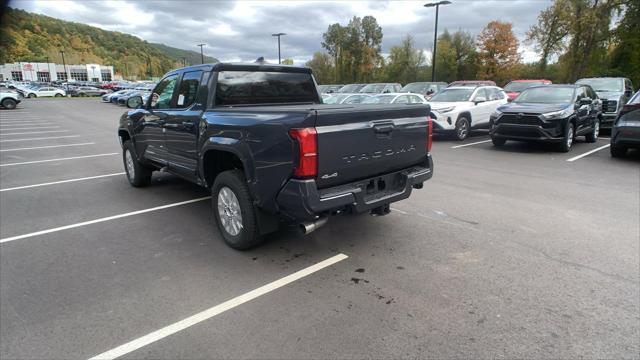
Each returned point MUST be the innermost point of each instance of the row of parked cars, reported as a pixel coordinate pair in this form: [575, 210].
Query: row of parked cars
[522, 110]
[120, 97]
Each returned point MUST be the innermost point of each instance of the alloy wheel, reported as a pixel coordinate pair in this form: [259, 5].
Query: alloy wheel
[229, 211]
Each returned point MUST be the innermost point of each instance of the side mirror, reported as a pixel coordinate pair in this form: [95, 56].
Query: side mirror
[134, 102]
[586, 101]
[479, 99]
[628, 93]
[509, 99]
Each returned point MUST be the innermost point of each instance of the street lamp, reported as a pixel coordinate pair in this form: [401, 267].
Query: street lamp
[278, 35]
[201, 53]
[435, 36]
[66, 74]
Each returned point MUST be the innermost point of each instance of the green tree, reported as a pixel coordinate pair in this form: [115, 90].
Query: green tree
[446, 66]
[404, 62]
[625, 56]
[322, 66]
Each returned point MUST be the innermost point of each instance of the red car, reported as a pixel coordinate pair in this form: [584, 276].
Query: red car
[515, 87]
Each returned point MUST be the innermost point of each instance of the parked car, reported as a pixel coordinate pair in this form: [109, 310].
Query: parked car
[459, 109]
[346, 98]
[9, 99]
[625, 133]
[614, 93]
[472, 83]
[268, 149]
[114, 98]
[42, 91]
[122, 100]
[515, 87]
[380, 88]
[87, 91]
[351, 88]
[427, 89]
[551, 113]
[329, 89]
[395, 98]
[107, 97]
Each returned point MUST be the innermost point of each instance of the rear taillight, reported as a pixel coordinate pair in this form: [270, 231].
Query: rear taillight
[307, 152]
[429, 133]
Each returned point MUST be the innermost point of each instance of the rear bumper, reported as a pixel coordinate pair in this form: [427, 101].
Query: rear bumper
[301, 199]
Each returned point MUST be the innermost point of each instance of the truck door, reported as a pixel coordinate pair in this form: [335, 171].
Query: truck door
[149, 130]
[181, 127]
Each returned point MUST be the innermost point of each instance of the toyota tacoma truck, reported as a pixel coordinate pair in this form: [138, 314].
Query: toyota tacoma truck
[260, 138]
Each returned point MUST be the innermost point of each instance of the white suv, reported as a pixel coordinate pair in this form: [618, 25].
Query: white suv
[457, 109]
[8, 99]
[43, 91]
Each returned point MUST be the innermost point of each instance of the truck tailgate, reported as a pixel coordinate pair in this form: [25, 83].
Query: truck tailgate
[362, 141]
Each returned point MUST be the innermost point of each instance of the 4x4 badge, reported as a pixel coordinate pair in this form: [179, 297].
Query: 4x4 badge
[327, 176]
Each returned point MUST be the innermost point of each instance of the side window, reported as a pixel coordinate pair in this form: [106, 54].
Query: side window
[592, 94]
[188, 89]
[404, 99]
[163, 93]
[415, 100]
[481, 94]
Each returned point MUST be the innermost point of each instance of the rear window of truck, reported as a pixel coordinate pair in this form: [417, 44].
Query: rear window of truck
[262, 87]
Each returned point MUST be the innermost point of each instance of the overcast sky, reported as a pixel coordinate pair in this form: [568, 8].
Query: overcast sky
[241, 30]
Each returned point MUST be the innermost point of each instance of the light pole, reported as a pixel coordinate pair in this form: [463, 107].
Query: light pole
[66, 74]
[278, 35]
[49, 68]
[184, 62]
[435, 36]
[201, 53]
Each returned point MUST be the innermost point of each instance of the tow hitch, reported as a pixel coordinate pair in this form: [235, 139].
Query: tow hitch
[380, 210]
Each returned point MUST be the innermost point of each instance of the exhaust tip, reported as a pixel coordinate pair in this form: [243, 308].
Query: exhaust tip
[311, 226]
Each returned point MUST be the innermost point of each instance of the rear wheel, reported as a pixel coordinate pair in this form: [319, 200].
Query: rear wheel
[58, 95]
[618, 151]
[593, 135]
[462, 128]
[567, 140]
[32, 95]
[9, 103]
[137, 174]
[233, 210]
[498, 141]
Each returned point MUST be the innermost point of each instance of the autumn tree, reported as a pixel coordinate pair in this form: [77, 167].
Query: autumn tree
[322, 66]
[498, 52]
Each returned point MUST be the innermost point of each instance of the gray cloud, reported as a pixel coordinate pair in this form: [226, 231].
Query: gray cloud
[235, 30]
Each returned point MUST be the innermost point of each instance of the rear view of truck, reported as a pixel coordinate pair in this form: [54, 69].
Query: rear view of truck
[357, 158]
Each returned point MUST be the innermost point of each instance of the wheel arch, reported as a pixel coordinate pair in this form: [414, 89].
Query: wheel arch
[466, 114]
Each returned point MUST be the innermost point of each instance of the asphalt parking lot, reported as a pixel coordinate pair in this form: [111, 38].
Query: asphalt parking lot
[511, 252]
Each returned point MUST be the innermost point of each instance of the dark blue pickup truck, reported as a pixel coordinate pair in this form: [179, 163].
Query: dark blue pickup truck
[259, 137]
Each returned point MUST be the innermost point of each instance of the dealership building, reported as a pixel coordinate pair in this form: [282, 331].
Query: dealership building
[47, 72]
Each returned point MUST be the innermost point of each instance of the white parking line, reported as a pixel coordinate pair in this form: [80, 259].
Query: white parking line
[47, 147]
[5, 128]
[61, 182]
[216, 310]
[59, 159]
[473, 143]
[588, 153]
[19, 122]
[42, 138]
[35, 132]
[108, 218]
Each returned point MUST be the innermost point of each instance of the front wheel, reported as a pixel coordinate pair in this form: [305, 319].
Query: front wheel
[462, 128]
[498, 141]
[58, 95]
[618, 151]
[31, 96]
[233, 210]
[137, 174]
[593, 135]
[567, 140]
[9, 103]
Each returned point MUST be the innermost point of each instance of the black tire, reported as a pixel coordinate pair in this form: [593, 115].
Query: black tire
[567, 139]
[463, 127]
[57, 95]
[248, 235]
[31, 96]
[593, 135]
[9, 103]
[137, 174]
[498, 141]
[618, 151]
